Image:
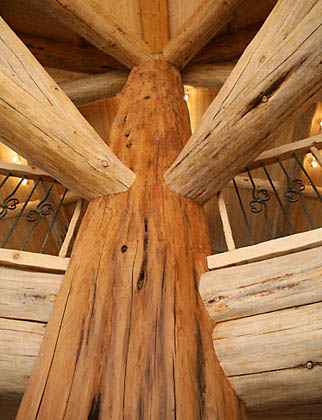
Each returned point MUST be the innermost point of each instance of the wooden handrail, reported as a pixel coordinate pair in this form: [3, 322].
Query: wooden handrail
[286, 151]
[31, 172]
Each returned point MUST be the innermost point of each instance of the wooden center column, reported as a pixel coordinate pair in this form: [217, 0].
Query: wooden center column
[129, 337]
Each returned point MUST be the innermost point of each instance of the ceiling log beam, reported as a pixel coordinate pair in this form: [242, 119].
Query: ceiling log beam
[210, 76]
[226, 47]
[96, 87]
[200, 27]
[39, 122]
[278, 75]
[96, 25]
[67, 56]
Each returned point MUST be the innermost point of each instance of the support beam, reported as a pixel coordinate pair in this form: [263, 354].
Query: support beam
[93, 88]
[273, 359]
[202, 25]
[129, 307]
[27, 295]
[155, 23]
[39, 122]
[264, 286]
[210, 76]
[225, 48]
[94, 23]
[66, 56]
[251, 106]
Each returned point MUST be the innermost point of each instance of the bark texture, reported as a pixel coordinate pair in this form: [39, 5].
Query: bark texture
[129, 337]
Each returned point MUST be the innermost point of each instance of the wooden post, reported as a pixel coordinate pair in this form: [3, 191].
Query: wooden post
[129, 336]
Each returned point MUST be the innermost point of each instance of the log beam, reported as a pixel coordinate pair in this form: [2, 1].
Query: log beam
[40, 123]
[139, 344]
[91, 20]
[264, 286]
[93, 88]
[201, 26]
[273, 359]
[251, 106]
[67, 56]
[210, 76]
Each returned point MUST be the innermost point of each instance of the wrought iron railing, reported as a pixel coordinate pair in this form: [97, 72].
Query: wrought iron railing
[31, 208]
[267, 186]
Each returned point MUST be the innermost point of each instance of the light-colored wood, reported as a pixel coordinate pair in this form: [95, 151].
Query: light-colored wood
[202, 25]
[155, 23]
[268, 249]
[31, 172]
[92, 21]
[71, 229]
[265, 286]
[225, 48]
[250, 107]
[27, 295]
[225, 222]
[41, 262]
[211, 76]
[66, 56]
[315, 152]
[267, 357]
[70, 198]
[41, 123]
[129, 308]
[286, 151]
[244, 182]
[19, 346]
[93, 88]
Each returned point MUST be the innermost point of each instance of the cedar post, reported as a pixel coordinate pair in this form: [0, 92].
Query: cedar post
[129, 337]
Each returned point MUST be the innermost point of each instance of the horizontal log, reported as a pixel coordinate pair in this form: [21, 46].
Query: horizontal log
[100, 28]
[286, 151]
[19, 346]
[251, 106]
[273, 359]
[93, 88]
[67, 56]
[266, 250]
[265, 286]
[32, 260]
[27, 295]
[208, 19]
[225, 48]
[210, 76]
[245, 183]
[39, 121]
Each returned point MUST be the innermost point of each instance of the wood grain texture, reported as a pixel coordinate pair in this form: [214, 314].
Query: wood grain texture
[278, 75]
[43, 125]
[27, 295]
[128, 329]
[66, 56]
[225, 48]
[93, 88]
[265, 286]
[155, 23]
[266, 356]
[267, 249]
[92, 21]
[210, 76]
[297, 412]
[200, 27]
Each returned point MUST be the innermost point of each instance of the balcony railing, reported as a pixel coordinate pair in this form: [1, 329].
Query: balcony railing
[266, 188]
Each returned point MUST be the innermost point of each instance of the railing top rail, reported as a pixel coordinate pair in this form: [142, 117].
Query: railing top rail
[286, 151]
[30, 172]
